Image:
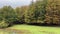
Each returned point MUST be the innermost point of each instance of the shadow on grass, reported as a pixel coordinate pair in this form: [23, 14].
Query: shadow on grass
[44, 24]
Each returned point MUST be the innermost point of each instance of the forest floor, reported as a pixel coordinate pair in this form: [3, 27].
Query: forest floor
[30, 29]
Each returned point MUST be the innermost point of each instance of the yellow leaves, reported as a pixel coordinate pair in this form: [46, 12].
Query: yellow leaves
[53, 11]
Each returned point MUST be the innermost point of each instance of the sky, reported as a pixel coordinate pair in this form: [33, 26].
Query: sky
[14, 3]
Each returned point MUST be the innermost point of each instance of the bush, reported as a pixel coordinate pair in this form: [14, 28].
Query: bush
[3, 24]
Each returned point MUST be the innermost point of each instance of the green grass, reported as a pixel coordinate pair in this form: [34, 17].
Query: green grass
[30, 29]
[38, 29]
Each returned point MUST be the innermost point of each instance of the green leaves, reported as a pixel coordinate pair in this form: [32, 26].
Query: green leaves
[37, 10]
[7, 14]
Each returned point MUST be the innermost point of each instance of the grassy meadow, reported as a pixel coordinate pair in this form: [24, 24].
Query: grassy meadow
[30, 29]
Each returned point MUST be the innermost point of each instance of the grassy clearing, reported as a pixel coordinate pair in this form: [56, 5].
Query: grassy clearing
[29, 29]
[38, 29]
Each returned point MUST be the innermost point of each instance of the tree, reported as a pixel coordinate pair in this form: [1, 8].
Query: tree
[30, 13]
[40, 11]
[21, 13]
[53, 12]
[36, 12]
[8, 15]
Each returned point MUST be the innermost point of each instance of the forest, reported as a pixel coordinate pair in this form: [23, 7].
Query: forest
[46, 12]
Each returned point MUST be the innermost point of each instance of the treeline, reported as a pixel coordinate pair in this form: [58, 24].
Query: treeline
[39, 12]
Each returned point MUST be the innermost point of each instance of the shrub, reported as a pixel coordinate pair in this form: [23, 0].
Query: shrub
[3, 24]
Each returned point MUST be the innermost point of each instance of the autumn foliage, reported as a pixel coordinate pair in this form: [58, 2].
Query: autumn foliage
[53, 12]
[41, 12]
